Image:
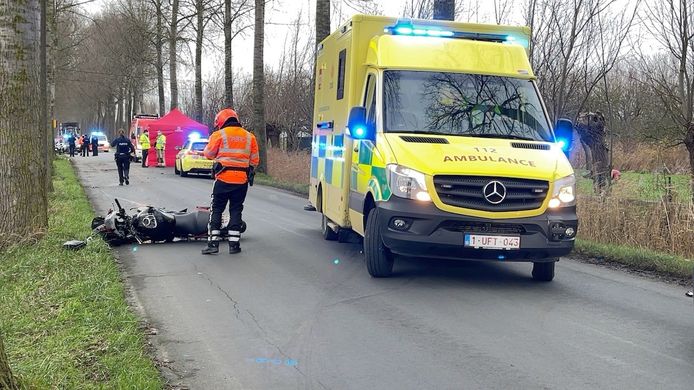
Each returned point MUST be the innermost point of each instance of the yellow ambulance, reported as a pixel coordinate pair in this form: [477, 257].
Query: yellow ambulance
[431, 140]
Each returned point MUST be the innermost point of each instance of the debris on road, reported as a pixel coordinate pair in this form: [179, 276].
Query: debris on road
[690, 294]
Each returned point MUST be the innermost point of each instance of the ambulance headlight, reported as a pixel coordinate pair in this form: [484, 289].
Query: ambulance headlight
[407, 183]
[564, 192]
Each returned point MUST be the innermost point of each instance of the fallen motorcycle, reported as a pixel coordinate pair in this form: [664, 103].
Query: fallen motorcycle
[153, 224]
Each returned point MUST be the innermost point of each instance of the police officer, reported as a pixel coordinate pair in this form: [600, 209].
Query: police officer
[235, 154]
[71, 144]
[145, 145]
[95, 145]
[124, 148]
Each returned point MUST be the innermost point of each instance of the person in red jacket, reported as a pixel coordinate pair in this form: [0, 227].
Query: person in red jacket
[235, 154]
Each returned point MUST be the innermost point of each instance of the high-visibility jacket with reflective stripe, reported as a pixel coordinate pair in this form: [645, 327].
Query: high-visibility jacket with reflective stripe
[144, 141]
[161, 142]
[233, 147]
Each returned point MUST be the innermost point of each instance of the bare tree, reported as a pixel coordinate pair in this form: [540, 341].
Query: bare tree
[173, 42]
[672, 78]
[444, 9]
[159, 47]
[502, 9]
[259, 83]
[234, 23]
[23, 204]
[322, 20]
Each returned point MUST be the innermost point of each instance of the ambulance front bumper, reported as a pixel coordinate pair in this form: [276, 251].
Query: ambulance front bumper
[430, 232]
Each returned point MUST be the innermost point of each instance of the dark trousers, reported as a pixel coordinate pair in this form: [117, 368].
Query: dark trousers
[95, 149]
[123, 164]
[145, 153]
[234, 195]
[72, 150]
[85, 150]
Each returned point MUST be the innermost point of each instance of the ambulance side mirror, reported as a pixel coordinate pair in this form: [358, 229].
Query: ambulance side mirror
[563, 134]
[357, 127]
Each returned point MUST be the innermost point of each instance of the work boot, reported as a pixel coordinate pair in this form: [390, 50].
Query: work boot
[234, 241]
[234, 248]
[212, 248]
[127, 181]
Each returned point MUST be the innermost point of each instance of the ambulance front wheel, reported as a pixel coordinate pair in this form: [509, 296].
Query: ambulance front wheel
[544, 271]
[379, 259]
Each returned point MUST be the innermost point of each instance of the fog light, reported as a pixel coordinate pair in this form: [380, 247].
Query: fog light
[570, 232]
[401, 224]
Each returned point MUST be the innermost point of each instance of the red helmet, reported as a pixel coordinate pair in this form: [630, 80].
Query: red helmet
[223, 116]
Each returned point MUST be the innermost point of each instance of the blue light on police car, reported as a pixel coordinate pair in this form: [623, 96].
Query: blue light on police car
[194, 136]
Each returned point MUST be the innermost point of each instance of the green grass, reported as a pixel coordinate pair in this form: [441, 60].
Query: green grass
[637, 258]
[63, 313]
[267, 180]
[641, 186]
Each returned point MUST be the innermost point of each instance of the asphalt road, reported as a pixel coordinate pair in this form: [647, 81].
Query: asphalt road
[295, 312]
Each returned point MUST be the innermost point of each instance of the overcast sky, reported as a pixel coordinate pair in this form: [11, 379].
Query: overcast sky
[279, 13]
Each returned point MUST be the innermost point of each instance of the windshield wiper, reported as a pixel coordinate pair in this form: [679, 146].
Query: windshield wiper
[503, 136]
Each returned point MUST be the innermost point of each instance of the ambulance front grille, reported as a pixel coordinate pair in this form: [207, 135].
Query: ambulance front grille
[468, 192]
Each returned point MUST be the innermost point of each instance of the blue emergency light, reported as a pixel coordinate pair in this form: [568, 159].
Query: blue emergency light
[194, 136]
[359, 132]
[407, 28]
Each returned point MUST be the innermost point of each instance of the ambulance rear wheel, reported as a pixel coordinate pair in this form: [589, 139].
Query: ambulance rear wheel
[328, 233]
[543, 272]
[379, 259]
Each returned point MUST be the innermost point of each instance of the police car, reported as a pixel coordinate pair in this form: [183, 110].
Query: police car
[190, 158]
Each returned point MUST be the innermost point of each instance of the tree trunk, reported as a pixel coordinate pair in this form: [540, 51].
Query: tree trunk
[23, 205]
[444, 9]
[228, 71]
[198, 59]
[689, 143]
[7, 379]
[259, 83]
[173, 39]
[322, 20]
[159, 46]
[47, 149]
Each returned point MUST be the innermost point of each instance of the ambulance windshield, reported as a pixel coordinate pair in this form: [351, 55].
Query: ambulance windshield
[464, 105]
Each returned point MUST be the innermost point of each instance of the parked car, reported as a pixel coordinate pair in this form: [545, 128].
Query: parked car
[104, 145]
[190, 158]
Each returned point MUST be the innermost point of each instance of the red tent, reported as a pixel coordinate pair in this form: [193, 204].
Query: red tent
[177, 127]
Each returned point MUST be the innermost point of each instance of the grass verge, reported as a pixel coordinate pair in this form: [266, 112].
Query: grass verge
[267, 180]
[637, 258]
[63, 313]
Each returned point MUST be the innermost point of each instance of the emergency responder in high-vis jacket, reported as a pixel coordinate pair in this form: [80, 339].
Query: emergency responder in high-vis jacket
[144, 143]
[235, 154]
[160, 146]
[124, 149]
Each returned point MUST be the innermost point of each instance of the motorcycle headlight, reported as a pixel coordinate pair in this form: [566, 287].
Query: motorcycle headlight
[407, 183]
[564, 192]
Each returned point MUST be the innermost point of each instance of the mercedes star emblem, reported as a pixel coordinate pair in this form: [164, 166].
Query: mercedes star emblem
[494, 192]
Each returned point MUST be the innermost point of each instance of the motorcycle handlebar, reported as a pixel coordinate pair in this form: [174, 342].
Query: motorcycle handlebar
[120, 208]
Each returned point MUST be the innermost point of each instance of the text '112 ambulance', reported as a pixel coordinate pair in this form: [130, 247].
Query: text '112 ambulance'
[431, 140]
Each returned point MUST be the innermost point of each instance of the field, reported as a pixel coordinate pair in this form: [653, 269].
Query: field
[63, 314]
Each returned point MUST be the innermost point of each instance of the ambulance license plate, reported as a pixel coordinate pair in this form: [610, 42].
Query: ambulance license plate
[479, 241]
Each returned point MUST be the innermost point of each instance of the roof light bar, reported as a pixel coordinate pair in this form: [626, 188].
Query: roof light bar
[407, 28]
